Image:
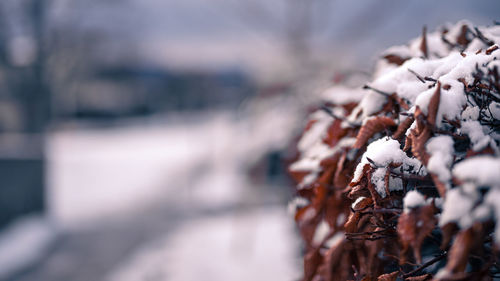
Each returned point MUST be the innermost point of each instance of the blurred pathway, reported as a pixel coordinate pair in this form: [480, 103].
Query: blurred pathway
[163, 203]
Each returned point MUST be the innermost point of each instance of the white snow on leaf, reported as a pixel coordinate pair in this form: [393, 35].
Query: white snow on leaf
[297, 202]
[336, 239]
[476, 135]
[370, 104]
[383, 152]
[479, 170]
[411, 89]
[441, 150]
[493, 199]
[451, 101]
[342, 94]
[457, 208]
[412, 200]
[321, 232]
[316, 132]
[311, 158]
[359, 199]
[494, 110]
[470, 113]
[401, 81]
[464, 204]
[309, 179]
[447, 68]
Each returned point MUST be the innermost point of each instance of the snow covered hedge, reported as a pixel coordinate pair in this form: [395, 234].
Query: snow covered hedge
[400, 180]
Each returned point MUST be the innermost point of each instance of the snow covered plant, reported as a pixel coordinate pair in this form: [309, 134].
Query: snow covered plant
[400, 179]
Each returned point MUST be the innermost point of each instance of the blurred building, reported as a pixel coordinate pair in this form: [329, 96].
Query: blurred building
[113, 91]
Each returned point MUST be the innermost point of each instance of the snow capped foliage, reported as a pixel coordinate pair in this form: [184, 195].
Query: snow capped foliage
[381, 154]
[413, 154]
[413, 199]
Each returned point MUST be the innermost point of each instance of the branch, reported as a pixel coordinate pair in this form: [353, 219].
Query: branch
[427, 264]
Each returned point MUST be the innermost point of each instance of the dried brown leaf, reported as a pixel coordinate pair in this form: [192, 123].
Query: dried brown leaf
[448, 231]
[308, 217]
[334, 207]
[332, 261]
[418, 137]
[459, 252]
[326, 177]
[403, 127]
[434, 105]
[358, 191]
[370, 128]
[424, 277]
[389, 276]
[440, 186]
[351, 225]
[413, 227]
[395, 59]
[375, 196]
[298, 176]
[466, 241]
[462, 36]
[343, 174]
[312, 261]
[423, 43]
[334, 133]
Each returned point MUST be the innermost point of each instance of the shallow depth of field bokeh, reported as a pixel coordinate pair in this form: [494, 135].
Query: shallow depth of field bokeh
[147, 139]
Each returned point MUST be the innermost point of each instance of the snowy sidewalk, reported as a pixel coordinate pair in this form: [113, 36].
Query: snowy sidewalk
[163, 202]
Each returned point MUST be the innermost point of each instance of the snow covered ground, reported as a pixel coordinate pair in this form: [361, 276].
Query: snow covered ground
[166, 200]
[99, 173]
[252, 245]
[25, 242]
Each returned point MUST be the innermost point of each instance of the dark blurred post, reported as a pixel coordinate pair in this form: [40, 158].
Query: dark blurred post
[37, 98]
[24, 89]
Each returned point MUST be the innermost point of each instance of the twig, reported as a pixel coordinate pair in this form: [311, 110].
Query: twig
[372, 162]
[365, 233]
[410, 176]
[330, 112]
[383, 211]
[370, 238]
[418, 76]
[366, 87]
[481, 37]
[434, 260]
[406, 114]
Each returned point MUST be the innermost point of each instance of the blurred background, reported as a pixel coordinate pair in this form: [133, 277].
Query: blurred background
[147, 139]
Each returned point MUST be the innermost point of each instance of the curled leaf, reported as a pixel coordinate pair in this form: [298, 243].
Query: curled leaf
[370, 128]
[413, 227]
[402, 128]
[352, 222]
[434, 106]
